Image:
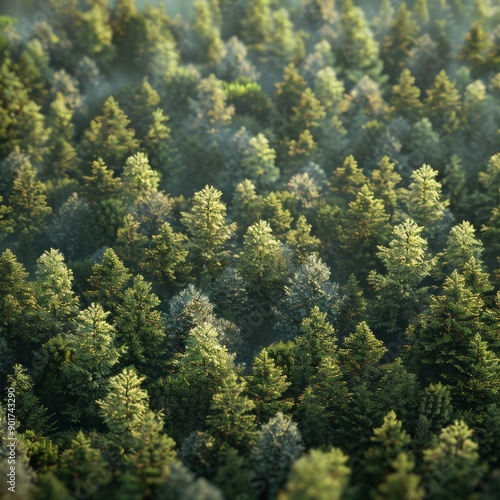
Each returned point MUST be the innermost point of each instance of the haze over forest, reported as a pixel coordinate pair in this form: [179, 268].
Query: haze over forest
[251, 251]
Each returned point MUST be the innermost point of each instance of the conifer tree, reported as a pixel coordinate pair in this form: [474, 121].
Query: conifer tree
[124, 406]
[94, 356]
[325, 405]
[166, 255]
[318, 475]
[442, 104]
[387, 443]
[348, 179]
[130, 243]
[57, 304]
[230, 420]
[108, 281]
[28, 207]
[267, 385]
[139, 324]
[399, 291]
[208, 231]
[405, 96]
[402, 483]
[455, 460]
[424, 203]
[278, 445]
[351, 307]
[261, 259]
[364, 226]
[80, 464]
[139, 180]
[303, 243]
[361, 353]
[17, 304]
[109, 137]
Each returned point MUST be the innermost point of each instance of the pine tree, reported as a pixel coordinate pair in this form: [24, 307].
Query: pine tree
[442, 104]
[329, 90]
[351, 307]
[461, 246]
[139, 324]
[17, 304]
[208, 231]
[308, 114]
[364, 226]
[261, 259]
[166, 255]
[160, 148]
[348, 179]
[57, 304]
[303, 243]
[230, 420]
[230, 295]
[139, 180]
[278, 445]
[309, 287]
[109, 137]
[424, 203]
[455, 460]
[319, 475]
[287, 95]
[324, 405]
[124, 406]
[405, 96]
[399, 40]
[81, 464]
[399, 291]
[130, 243]
[94, 356]
[421, 11]
[316, 340]
[266, 385]
[387, 443]
[360, 354]
[402, 483]
[108, 281]
[28, 207]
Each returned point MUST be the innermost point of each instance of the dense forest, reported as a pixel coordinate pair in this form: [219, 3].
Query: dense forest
[250, 252]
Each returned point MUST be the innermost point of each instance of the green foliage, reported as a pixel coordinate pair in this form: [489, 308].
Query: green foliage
[320, 475]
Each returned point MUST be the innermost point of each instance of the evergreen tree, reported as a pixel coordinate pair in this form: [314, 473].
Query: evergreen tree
[399, 291]
[131, 243]
[348, 179]
[266, 385]
[424, 203]
[455, 460]
[277, 446]
[108, 281]
[442, 104]
[402, 483]
[94, 356]
[364, 226]
[124, 407]
[319, 475]
[139, 180]
[387, 443]
[405, 96]
[261, 259]
[324, 405]
[166, 256]
[57, 304]
[351, 307]
[28, 207]
[17, 304]
[303, 243]
[309, 287]
[399, 39]
[109, 137]
[208, 231]
[360, 354]
[230, 420]
[81, 464]
[139, 324]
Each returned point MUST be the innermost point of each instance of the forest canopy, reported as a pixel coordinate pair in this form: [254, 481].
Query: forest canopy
[250, 250]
